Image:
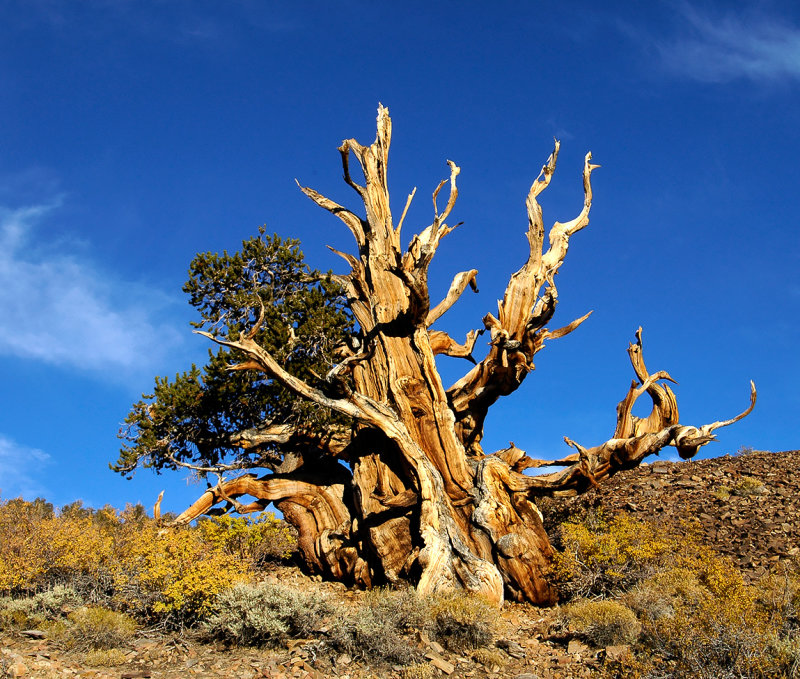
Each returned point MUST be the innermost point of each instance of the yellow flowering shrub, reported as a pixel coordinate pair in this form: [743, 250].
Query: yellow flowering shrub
[38, 547]
[171, 572]
[128, 560]
[693, 612]
[601, 556]
[252, 538]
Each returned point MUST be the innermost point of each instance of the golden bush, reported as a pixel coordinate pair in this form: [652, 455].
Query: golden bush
[254, 539]
[601, 556]
[696, 614]
[418, 671]
[489, 657]
[129, 561]
[462, 620]
[171, 573]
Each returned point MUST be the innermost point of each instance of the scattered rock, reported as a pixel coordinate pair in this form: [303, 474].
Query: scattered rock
[513, 648]
[436, 647]
[440, 663]
[33, 633]
[17, 670]
[617, 653]
[576, 647]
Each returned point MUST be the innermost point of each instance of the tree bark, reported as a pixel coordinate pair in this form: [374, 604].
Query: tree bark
[420, 500]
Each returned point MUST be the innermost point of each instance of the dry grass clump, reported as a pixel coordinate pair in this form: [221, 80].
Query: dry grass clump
[748, 485]
[92, 628]
[602, 623]
[461, 620]
[744, 487]
[111, 657]
[489, 657]
[265, 614]
[418, 671]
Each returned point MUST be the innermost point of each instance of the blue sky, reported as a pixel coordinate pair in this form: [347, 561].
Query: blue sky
[136, 133]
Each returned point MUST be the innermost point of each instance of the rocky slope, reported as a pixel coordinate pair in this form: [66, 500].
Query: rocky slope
[748, 505]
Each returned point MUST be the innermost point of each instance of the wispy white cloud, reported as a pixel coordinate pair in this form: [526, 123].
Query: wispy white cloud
[60, 308]
[721, 48]
[19, 470]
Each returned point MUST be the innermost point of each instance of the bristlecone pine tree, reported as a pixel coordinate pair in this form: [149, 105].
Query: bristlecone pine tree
[330, 382]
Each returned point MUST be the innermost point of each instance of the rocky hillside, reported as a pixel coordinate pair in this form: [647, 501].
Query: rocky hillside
[748, 505]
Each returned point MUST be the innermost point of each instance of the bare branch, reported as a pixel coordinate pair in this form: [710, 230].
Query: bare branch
[405, 211]
[459, 284]
[717, 425]
[423, 246]
[560, 233]
[211, 469]
[535, 220]
[232, 501]
[352, 261]
[357, 226]
[357, 406]
[157, 508]
[689, 439]
[544, 334]
[455, 170]
[262, 312]
[442, 343]
[344, 150]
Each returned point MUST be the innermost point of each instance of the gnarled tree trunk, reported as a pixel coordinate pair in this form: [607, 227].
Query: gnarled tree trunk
[421, 501]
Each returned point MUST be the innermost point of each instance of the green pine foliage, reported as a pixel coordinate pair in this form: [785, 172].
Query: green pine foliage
[191, 417]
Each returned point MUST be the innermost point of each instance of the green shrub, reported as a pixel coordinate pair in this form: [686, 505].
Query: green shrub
[375, 630]
[17, 614]
[57, 601]
[29, 612]
[264, 614]
[602, 623]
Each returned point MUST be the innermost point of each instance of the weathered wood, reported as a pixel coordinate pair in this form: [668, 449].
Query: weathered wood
[420, 501]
